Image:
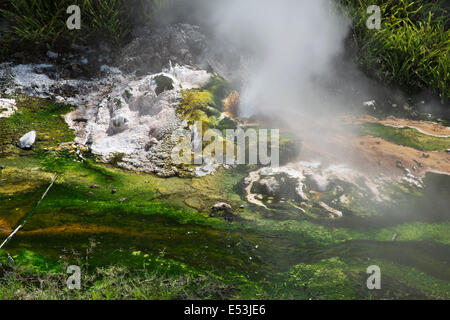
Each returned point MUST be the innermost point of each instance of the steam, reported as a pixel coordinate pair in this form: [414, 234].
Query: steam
[291, 44]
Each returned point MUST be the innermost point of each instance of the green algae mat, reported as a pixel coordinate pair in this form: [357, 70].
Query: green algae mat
[139, 236]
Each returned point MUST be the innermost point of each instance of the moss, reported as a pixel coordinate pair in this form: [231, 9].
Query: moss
[220, 89]
[194, 101]
[337, 278]
[163, 83]
[325, 279]
[406, 137]
[42, 116]
[30, 262]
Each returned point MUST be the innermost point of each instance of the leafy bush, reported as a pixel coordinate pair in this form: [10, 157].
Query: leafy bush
[412, 47]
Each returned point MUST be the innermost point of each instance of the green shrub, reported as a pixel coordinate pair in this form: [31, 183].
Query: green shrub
[412, 47]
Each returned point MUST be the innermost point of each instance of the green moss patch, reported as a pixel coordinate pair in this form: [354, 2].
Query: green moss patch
[405, 136]
[42, 116]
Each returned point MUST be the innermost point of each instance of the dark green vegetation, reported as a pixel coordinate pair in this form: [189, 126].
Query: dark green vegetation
[412, 48]
[405, 136]
[42, 24]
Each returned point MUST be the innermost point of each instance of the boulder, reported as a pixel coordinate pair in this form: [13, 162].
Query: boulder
[119, 123]
[268, 186]
[28, 140]
[163, 83]
[223, 210]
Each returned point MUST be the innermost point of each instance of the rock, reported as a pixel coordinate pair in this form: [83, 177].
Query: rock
[119, 123]
[221, 206]
[163, 83]
[223, 210]
[268, 186]
[27, 141]
[122, 200]
[425, 155]
[95, 186]
[399, 165]
[114, 191]
[52, 55]
[370, 104]
[334, 212]
[7, 107]
[242, 206]
[448, 150]
[153, 142]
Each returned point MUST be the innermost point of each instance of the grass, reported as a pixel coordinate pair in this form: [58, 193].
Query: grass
[41, 24]
[148, 277]
[406, 137]
[412, 48]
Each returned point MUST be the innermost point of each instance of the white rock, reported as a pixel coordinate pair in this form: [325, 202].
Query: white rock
[370, 103]
[27, 141]
[7, 107]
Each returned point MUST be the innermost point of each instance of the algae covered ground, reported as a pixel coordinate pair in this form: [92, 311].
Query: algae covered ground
[140, 236]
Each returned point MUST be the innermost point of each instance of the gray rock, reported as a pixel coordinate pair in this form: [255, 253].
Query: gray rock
[52, 55]
[119, 123]
[268, 186]
[28, 140]
[221, 206]
[223, 210]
